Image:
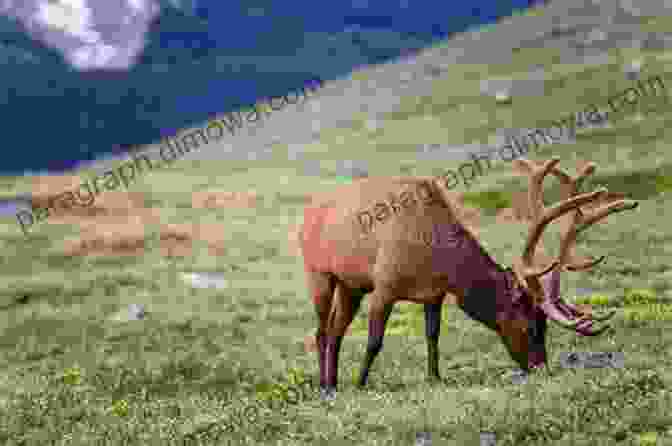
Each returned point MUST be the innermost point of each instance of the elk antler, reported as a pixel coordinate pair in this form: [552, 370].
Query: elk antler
[527, 274]
[568, 315]
[569, 188]
[579, 221]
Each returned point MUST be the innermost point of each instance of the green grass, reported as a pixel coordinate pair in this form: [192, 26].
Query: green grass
[207, 363]
[488, 201]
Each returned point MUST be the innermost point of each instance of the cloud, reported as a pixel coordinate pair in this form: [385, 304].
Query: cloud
[137, 5]
[70, 16]
[91, 34]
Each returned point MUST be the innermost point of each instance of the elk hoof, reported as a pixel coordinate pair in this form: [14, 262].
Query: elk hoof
[328, 393]
[519, 376]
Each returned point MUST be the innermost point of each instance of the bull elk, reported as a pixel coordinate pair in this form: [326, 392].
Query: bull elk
[412, 246]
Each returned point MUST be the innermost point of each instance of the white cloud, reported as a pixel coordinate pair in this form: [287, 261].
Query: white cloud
[93, 56]
[72, 27]
[137, 5]
[70, 16]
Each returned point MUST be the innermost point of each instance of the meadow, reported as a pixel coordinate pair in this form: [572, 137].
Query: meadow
[228, 365]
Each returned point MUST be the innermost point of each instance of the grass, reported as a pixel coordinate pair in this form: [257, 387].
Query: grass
[488, 201]
[227, 366]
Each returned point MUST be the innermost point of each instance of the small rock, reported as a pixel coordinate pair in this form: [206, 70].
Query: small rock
[633, 70]
[429, 147]
[136, 312]
[433, 71]
[570, 360]
[205, 280]
[423, 439]
[354, 169]
[488, 439]
[405, 76]
[502, 97]
[327, 394]
[519, 376]
[596, 35]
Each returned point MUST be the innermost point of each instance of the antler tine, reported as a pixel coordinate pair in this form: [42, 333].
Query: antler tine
[526, 273]
[580, 222]
[548, 215]
[543, 216]
[570, 185]
[605, 211]
[522, 269]
[537, 173]
[567, 315]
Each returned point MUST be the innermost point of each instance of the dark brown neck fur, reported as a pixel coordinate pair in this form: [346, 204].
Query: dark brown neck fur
[487, 287]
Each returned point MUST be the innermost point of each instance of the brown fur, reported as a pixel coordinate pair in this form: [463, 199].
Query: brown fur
[393, 242]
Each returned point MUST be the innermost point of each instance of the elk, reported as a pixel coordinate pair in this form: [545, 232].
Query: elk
[413, 247]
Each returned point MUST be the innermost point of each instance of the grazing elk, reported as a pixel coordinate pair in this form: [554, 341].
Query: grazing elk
[400, 238]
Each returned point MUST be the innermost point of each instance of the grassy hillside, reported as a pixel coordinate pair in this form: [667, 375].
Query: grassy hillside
[230, 362]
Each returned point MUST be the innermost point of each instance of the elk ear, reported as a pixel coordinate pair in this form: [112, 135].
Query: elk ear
[551, 284]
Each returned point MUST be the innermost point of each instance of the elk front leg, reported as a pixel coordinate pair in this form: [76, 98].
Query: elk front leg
[379, 313]
[432, 330]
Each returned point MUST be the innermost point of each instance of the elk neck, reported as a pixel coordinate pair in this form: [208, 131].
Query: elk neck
[487, 288]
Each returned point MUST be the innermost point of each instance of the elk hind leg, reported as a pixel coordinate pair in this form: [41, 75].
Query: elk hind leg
[345, 305]
[321, 287]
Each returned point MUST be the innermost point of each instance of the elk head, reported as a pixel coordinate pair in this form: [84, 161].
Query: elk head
[534, 290]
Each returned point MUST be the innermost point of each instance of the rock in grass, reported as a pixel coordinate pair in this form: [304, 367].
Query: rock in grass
[502, 97]
[205, 280]
[352, 169]
[503, 89]
[488, 439]
[423, 439]
[519, 376]
[633, 70]
[134, 312]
